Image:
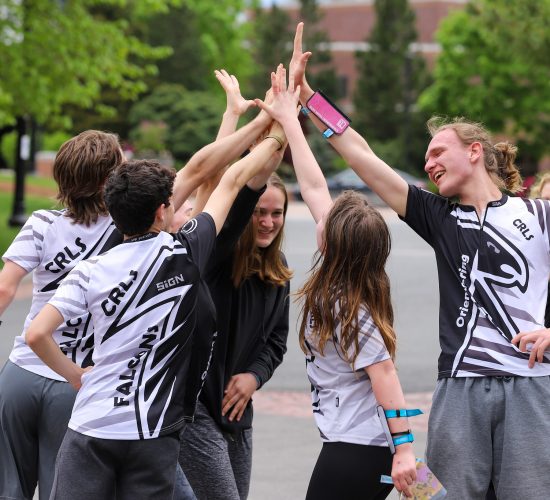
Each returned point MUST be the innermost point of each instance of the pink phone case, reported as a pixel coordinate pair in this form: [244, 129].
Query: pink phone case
[328, 113]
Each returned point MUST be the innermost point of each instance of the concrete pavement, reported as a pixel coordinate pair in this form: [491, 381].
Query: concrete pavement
[287, 443]
[286, 440]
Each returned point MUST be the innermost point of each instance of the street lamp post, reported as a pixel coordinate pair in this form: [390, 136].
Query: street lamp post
[18, 216]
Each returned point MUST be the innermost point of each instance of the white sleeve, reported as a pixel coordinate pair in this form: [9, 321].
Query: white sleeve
[70, 298]
[26, 250]
[372, 348]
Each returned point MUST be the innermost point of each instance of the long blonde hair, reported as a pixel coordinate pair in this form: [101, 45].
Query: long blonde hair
[349, 271]
[267, 263]
[499, 158]
[536, 188]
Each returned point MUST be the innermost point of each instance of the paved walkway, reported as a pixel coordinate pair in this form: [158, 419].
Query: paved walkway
[287, 443]
[286, 440]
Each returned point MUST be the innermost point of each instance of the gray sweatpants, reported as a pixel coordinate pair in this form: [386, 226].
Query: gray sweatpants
[217, 464]
[34, 413]
[491, 428]
[90, 468]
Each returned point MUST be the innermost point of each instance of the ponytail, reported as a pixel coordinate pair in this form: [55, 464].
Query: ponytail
[505, 155]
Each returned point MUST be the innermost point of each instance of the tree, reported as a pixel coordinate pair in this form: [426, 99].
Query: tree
[191, 118]
[222, 34]
[56, 53]
[495, 67]
[269, 41]
[391, 77]
[321, 74]
[202, 36]
[188, 64]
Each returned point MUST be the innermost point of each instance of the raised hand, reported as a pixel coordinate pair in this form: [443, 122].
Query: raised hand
[285, 98]
[236, 103]
[298, 63]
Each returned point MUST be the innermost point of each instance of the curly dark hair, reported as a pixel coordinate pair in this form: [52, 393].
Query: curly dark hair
[134, 191]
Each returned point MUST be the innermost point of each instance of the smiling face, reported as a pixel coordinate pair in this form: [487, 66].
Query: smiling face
[269, 216]
[448, 162]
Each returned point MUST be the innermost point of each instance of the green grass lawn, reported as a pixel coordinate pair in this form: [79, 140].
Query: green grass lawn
[7, 233]
[30, 180]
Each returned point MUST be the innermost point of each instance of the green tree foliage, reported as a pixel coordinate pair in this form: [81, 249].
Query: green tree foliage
[222, 34]
[58, 53]
[192, 118]
[269, 44]
[391, 77]
[495, 67]
[202, 36]
[321, 74]
[188, 64]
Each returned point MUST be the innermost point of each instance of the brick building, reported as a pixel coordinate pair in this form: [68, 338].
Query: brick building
[348, 24]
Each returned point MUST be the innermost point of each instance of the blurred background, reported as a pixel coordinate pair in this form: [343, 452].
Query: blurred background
[144, 69]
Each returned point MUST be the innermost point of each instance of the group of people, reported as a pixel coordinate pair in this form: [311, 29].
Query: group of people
[147, 338]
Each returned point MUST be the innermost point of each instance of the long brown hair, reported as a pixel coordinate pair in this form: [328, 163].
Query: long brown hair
[267, 263]
[81, 167]
[349, 272]
[499, 158]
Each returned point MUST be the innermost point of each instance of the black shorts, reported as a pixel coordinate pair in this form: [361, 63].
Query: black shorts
[351, 472]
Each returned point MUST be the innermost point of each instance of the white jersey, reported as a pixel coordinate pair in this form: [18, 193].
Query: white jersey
[493, 280]
[343, 401]
[51, 244]
[142, 298]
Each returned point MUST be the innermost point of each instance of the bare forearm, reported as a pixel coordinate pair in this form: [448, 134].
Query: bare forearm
[6, 297]
[235, 178]
[10, 277]
[357, 153]
[228, 124]
[213, 157]
[253, 164]
[388, 392]
[313, 185]
[49, 352]
[261, 178]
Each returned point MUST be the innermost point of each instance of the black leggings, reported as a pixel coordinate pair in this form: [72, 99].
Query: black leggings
[349, 471]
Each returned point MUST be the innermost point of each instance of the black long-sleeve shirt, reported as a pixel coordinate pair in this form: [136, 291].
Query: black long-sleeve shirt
[252, 319]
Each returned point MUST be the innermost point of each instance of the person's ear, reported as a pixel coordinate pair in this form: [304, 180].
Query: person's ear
[159, 213]
[476, 151]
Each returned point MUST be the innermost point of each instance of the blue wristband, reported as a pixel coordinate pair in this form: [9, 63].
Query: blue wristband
[407, 438]
[402, 413]
[305, 111]
[328, 133]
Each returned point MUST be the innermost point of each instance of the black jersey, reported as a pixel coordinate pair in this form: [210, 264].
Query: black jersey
[493, 274]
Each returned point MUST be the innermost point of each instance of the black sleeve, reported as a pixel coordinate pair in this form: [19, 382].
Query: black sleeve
[237, 219]
[274, 349]
[425, 213]
[199, 234]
